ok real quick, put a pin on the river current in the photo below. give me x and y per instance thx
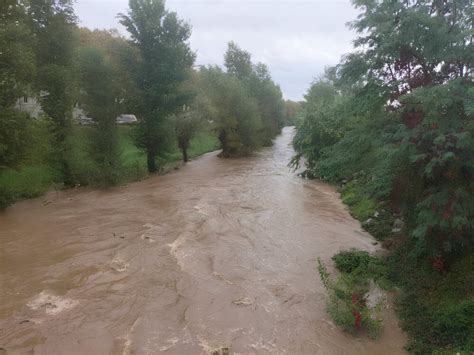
(217, 257)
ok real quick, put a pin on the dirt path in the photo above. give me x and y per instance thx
(220, 254)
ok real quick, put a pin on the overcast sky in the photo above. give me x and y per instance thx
(295, 38)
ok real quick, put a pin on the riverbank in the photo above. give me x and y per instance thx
(435, 307)
(33, 180)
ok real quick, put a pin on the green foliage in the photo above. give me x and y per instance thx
(101, 97)
(362, 266)
(192, 118)
(292, 111)
(52, 23)
(13, 137)
(17, 57)
(258, 83)
(162, 39)
(393, 121)
(348, 261)
(238, 62)
(435, 309)
(245, 104)
(235, 114)
(346, 302)
(203, 142)
(400, 112)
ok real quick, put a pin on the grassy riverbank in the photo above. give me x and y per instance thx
(36, 177)
(436, 308)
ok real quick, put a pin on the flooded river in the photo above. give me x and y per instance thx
(218, 255)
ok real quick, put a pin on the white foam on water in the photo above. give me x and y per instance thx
(171, 343)
(118, 264)
(51, 304)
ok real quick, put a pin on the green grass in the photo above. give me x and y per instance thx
(133, 159)
(34, 180)
(202, 143)
(361, 206)
(24, 183)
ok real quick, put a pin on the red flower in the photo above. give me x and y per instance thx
(438, 263)
(357, 319)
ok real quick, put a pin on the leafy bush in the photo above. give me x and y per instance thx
(15, 136)
(347, 294)
(435, 308)
(361, 266)
(348, 261)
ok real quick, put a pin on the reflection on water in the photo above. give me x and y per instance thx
(219, 255)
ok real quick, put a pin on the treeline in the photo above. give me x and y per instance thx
(394, 124)
(45, 55)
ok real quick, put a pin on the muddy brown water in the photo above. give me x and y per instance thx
(220, 254)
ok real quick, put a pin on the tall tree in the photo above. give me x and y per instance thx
(17, 66)
(419, 55)
(258, 81)
(238, 62)
(162, 39)
(53, 24)
(17, 57)
(121, 55)
(236, 114)
(193, 116)
(270, 102)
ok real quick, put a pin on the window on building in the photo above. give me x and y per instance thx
(25, 99)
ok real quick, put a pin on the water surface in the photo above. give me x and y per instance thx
(220, 254)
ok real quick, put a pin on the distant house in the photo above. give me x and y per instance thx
(32, 106)
(29, 105)
(127, 119)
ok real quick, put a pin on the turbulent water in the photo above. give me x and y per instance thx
(218, 256)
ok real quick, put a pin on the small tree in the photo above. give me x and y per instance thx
(186, 126)
(100, 97)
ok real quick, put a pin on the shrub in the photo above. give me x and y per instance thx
(348, 261)
(347, 303)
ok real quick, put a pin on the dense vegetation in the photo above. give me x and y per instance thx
(45, 55)
(393, 124)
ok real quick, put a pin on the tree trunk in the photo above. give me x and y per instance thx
(185, 155)
(151, 162)
(223, 140)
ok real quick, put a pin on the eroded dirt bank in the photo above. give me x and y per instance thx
(219, 254)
